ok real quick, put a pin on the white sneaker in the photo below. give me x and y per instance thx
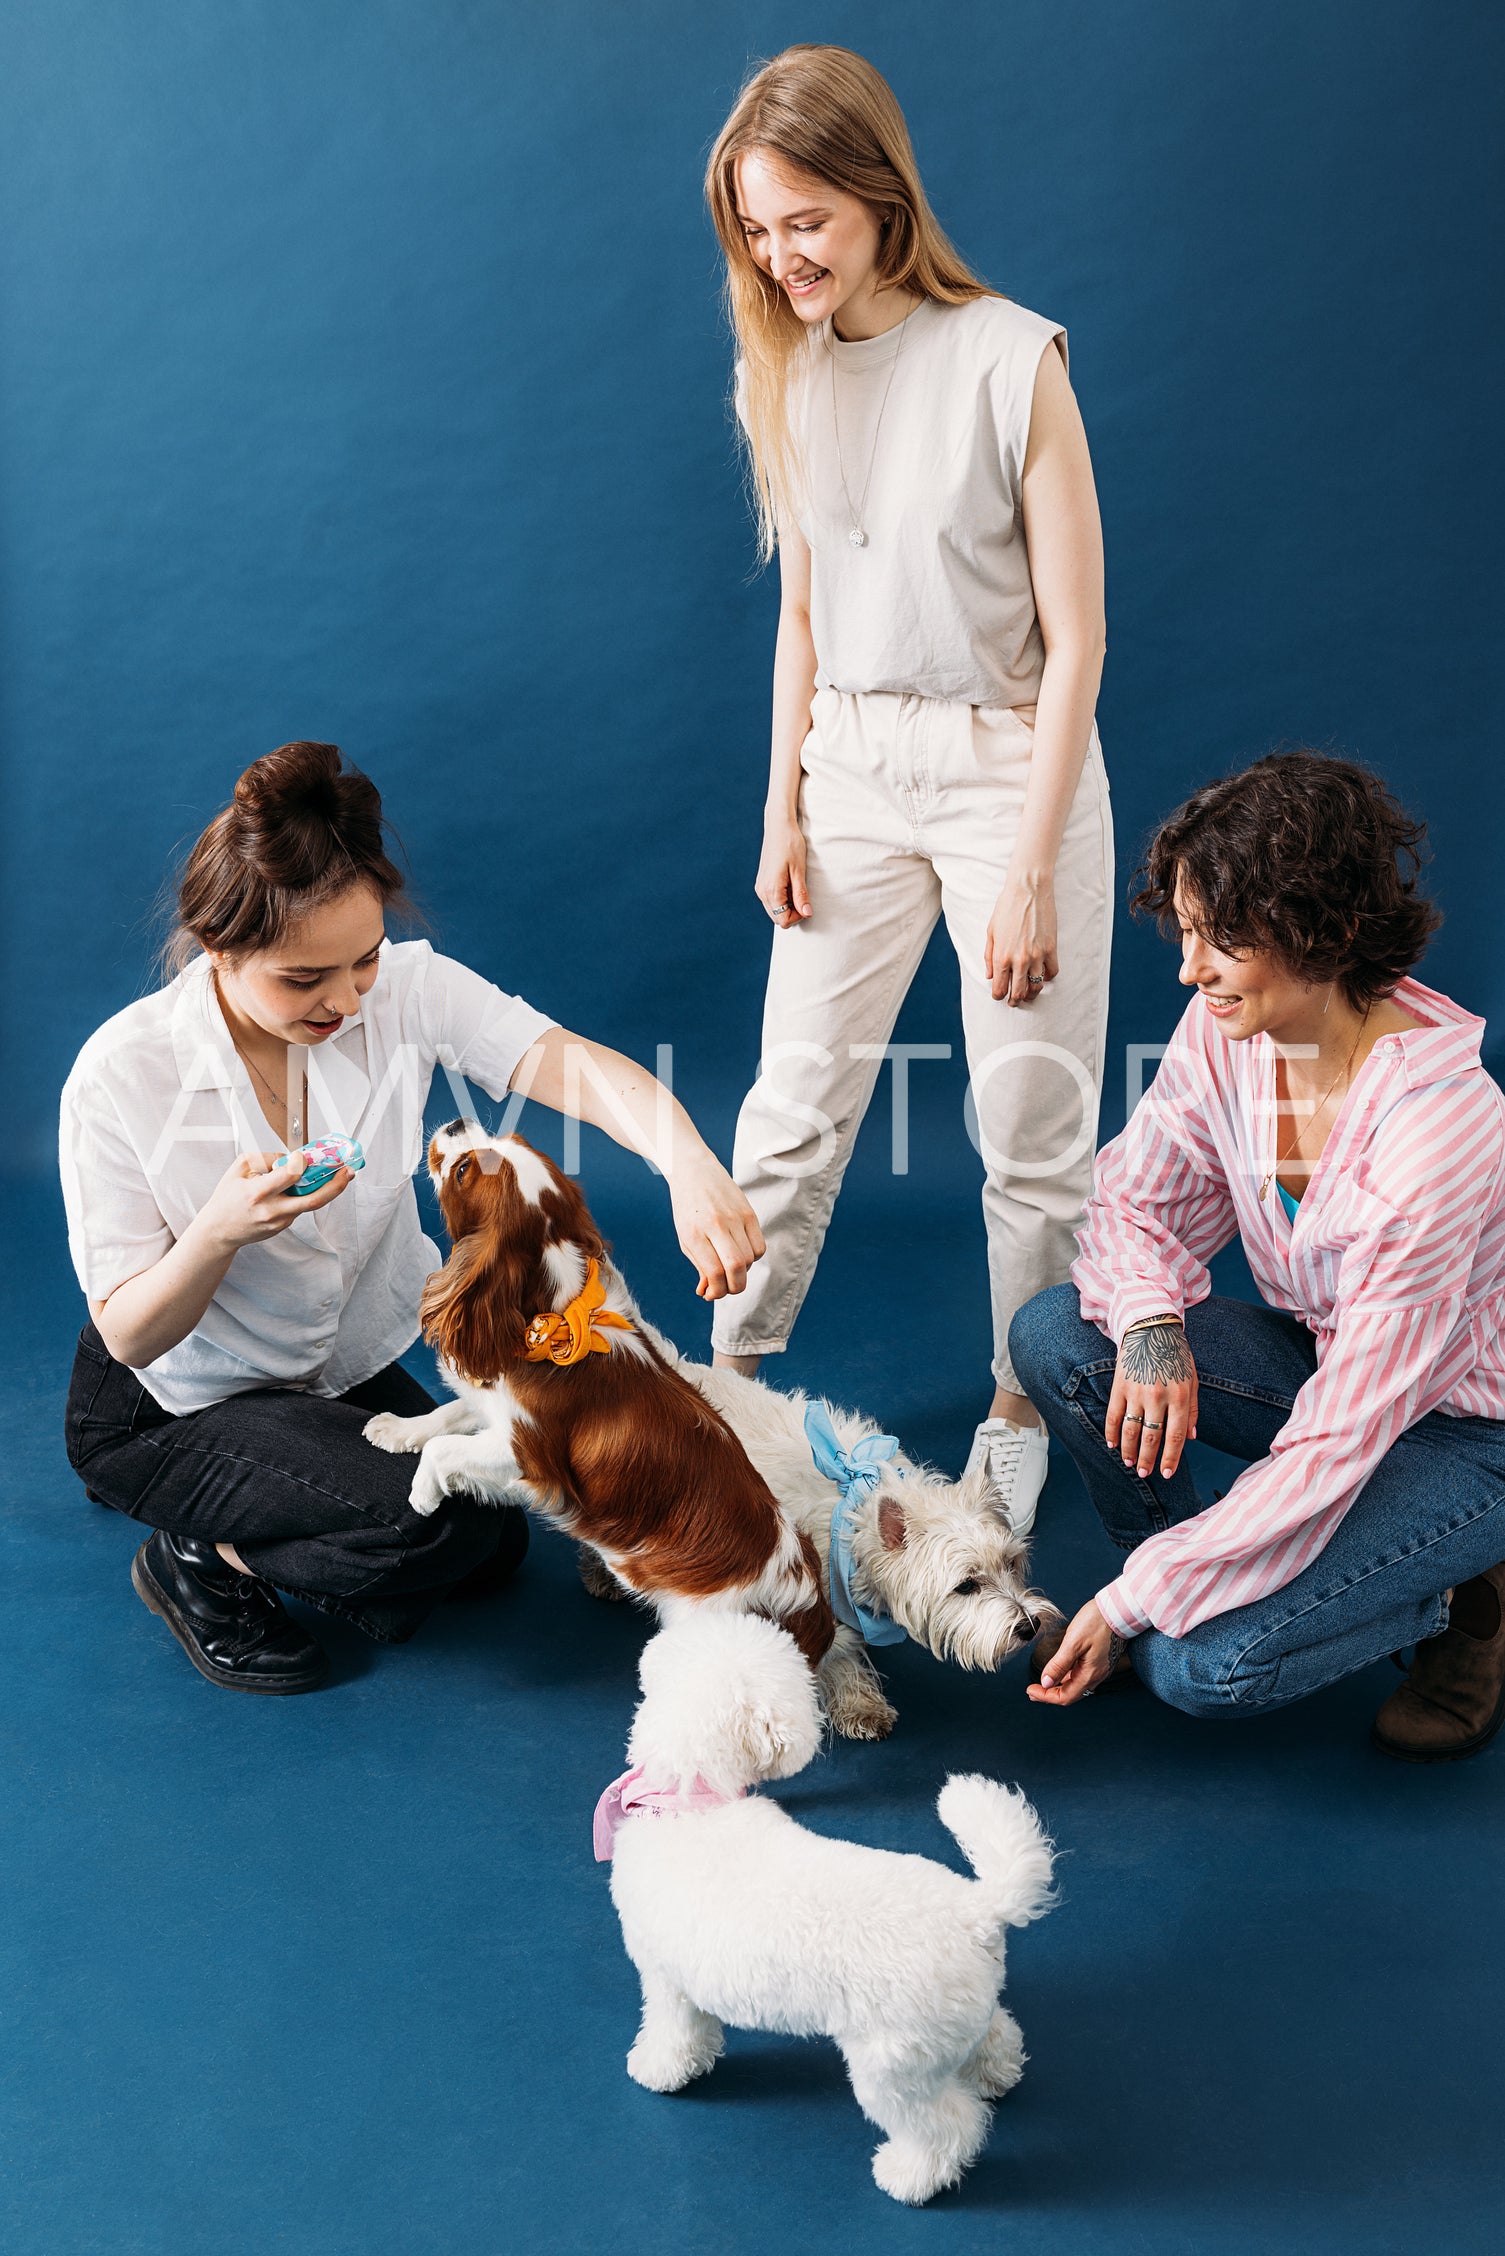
(1016, 1460)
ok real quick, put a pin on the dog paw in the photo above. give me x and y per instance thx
(449, 1467)
(662, 2069)
(387, 1431)
(908, 2173)
(597, 1576)
(863, 1718)
(427, 1493)
(1001, 2057)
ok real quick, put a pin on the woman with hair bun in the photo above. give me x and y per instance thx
(241, 1336)
(1322, 1105)
(919, 463)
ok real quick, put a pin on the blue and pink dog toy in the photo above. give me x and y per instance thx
(326, 1155)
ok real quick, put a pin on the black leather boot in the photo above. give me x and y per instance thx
(233, 1627)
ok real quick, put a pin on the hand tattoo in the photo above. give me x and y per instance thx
(1156, 1355)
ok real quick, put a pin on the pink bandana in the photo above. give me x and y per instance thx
(627, 1796)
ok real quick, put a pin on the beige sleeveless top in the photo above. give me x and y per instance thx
(938, 600)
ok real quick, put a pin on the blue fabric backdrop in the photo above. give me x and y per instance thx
(365, 380)
(362, 378)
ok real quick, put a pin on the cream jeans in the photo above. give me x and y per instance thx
(910, 807)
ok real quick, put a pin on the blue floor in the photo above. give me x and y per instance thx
(337, 1976)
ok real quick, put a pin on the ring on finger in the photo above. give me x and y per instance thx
(1133, 1417)
(1153, 1428)
(1034, 980)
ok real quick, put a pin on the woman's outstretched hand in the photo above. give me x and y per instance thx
(1020, 953)
(1153, 1407)
(780, 882)
(1080, 1662)
(717, 1227)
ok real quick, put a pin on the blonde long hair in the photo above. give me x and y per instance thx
(825, 112)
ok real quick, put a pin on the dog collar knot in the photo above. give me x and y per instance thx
(856, 1472)
(568, 1335)
(627, 1796)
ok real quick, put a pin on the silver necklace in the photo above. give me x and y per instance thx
(857, 536)
(294, 1114)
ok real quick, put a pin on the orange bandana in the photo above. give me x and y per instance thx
(569, 1337)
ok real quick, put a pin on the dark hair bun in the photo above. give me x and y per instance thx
(302, 827)
(300, 812)
(292, 778)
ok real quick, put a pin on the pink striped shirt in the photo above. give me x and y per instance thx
(1396, 1261)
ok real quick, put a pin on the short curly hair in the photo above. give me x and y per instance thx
(1305, 858)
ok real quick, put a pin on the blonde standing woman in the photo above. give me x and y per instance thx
(920, 466)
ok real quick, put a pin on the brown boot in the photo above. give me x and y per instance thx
(1453, 1701)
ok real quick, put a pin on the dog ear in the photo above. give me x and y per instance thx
(891, 1523)
(472, 1310)
(975, 1493)
(762, 1742)
(768, 1739)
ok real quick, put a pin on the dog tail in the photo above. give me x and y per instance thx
(1005, 1844)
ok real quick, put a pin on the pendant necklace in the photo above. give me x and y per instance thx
(857, 536)
(294, 1134)
(1337, 1077)
(294, 1114)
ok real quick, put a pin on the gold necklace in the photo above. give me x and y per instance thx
(1317, 1108)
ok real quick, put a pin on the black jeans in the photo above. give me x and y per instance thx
(289, 1480)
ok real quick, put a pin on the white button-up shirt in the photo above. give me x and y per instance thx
(158, 1105)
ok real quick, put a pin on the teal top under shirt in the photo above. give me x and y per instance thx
(1291, 1205)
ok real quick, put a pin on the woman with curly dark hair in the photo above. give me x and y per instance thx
(1333, 1112)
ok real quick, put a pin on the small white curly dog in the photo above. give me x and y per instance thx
(731, 1911)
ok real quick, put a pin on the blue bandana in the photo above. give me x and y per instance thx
(856, 1472)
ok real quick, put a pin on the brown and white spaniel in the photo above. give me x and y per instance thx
(563, 1392)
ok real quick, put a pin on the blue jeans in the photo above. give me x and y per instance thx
(1430, 1516)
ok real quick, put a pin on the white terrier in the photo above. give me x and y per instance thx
(731, 1911)
(916, 1553)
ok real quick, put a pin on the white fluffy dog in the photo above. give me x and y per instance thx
(932, 1555)
(731, 1911)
